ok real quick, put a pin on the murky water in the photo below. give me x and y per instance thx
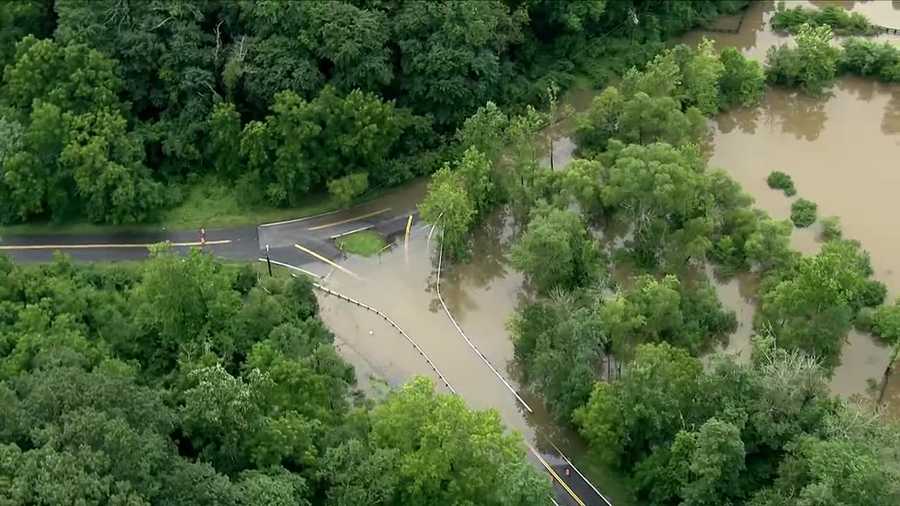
(842, 151)
(755, 38)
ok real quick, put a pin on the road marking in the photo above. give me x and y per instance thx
(293, 267)
(406, 239)
(327, 261)
(298, 220)
(106, 246)
(355, 230)
(583, 477)
(348, 220)
(561, 482)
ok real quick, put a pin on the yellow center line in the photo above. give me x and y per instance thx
(329, 262)
(105, 246)
(348, 220)
(556, 477)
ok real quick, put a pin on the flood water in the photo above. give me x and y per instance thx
(842, 151)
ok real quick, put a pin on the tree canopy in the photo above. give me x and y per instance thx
(188, 381)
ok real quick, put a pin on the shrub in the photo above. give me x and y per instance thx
(838, 19)
(743, 81)
(812, 65)
(780, 181)
(347, 188)
(870, 59)
(831, 228)
(803, 213)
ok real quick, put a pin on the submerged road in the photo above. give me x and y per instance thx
(305, 245)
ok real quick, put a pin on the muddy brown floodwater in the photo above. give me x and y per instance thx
(843, 152)
(482, 294)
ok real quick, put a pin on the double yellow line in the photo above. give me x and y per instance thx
(556, 477)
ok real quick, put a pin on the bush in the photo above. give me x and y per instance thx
(743, 81)
(831, 228)
(778, 180)
(870, 59)
(812, 65)
(838, 19)
(347, 188)
(803, 213)
(886, 322)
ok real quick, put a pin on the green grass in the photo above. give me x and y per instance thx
(210, 204)
(365, 243)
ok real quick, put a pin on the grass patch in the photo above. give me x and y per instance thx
(210, 203)
(365, 243)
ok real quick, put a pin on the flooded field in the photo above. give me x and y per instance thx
(843, 152)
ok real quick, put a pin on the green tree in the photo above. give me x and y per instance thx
(346, 189)
(812, 65)
(449, 206)
(559, 342)
(810, 307)
(447, 454)
(743, 80)
(803, 213)
(224, 146)
(625, 420)
(702, 73)
(556, 250)
(452, 54)
(659, 192)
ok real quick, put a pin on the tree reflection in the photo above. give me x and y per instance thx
(890, 122)
(798, 114)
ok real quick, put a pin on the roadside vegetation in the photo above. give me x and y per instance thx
(365, 243)
(113, 113)
(838, 19)
(183, 380)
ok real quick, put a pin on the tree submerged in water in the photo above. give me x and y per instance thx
(803, 213)
(778, 180)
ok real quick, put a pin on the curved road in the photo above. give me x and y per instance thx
(306, 244)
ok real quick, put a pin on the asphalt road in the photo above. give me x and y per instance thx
(316, 235)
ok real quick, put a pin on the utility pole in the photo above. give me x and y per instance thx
(268, 261)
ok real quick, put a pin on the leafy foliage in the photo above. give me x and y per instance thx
(868, 58)
(346, 189)
(556, 251)
(838, 19)
(812, 65)
(781, 181)
(180, 381)
(809, 306)
(803, 213)
(758, 433)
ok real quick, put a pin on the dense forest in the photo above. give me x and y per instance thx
(185, 381)
(112, 110)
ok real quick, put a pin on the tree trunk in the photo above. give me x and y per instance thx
(884, 382)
